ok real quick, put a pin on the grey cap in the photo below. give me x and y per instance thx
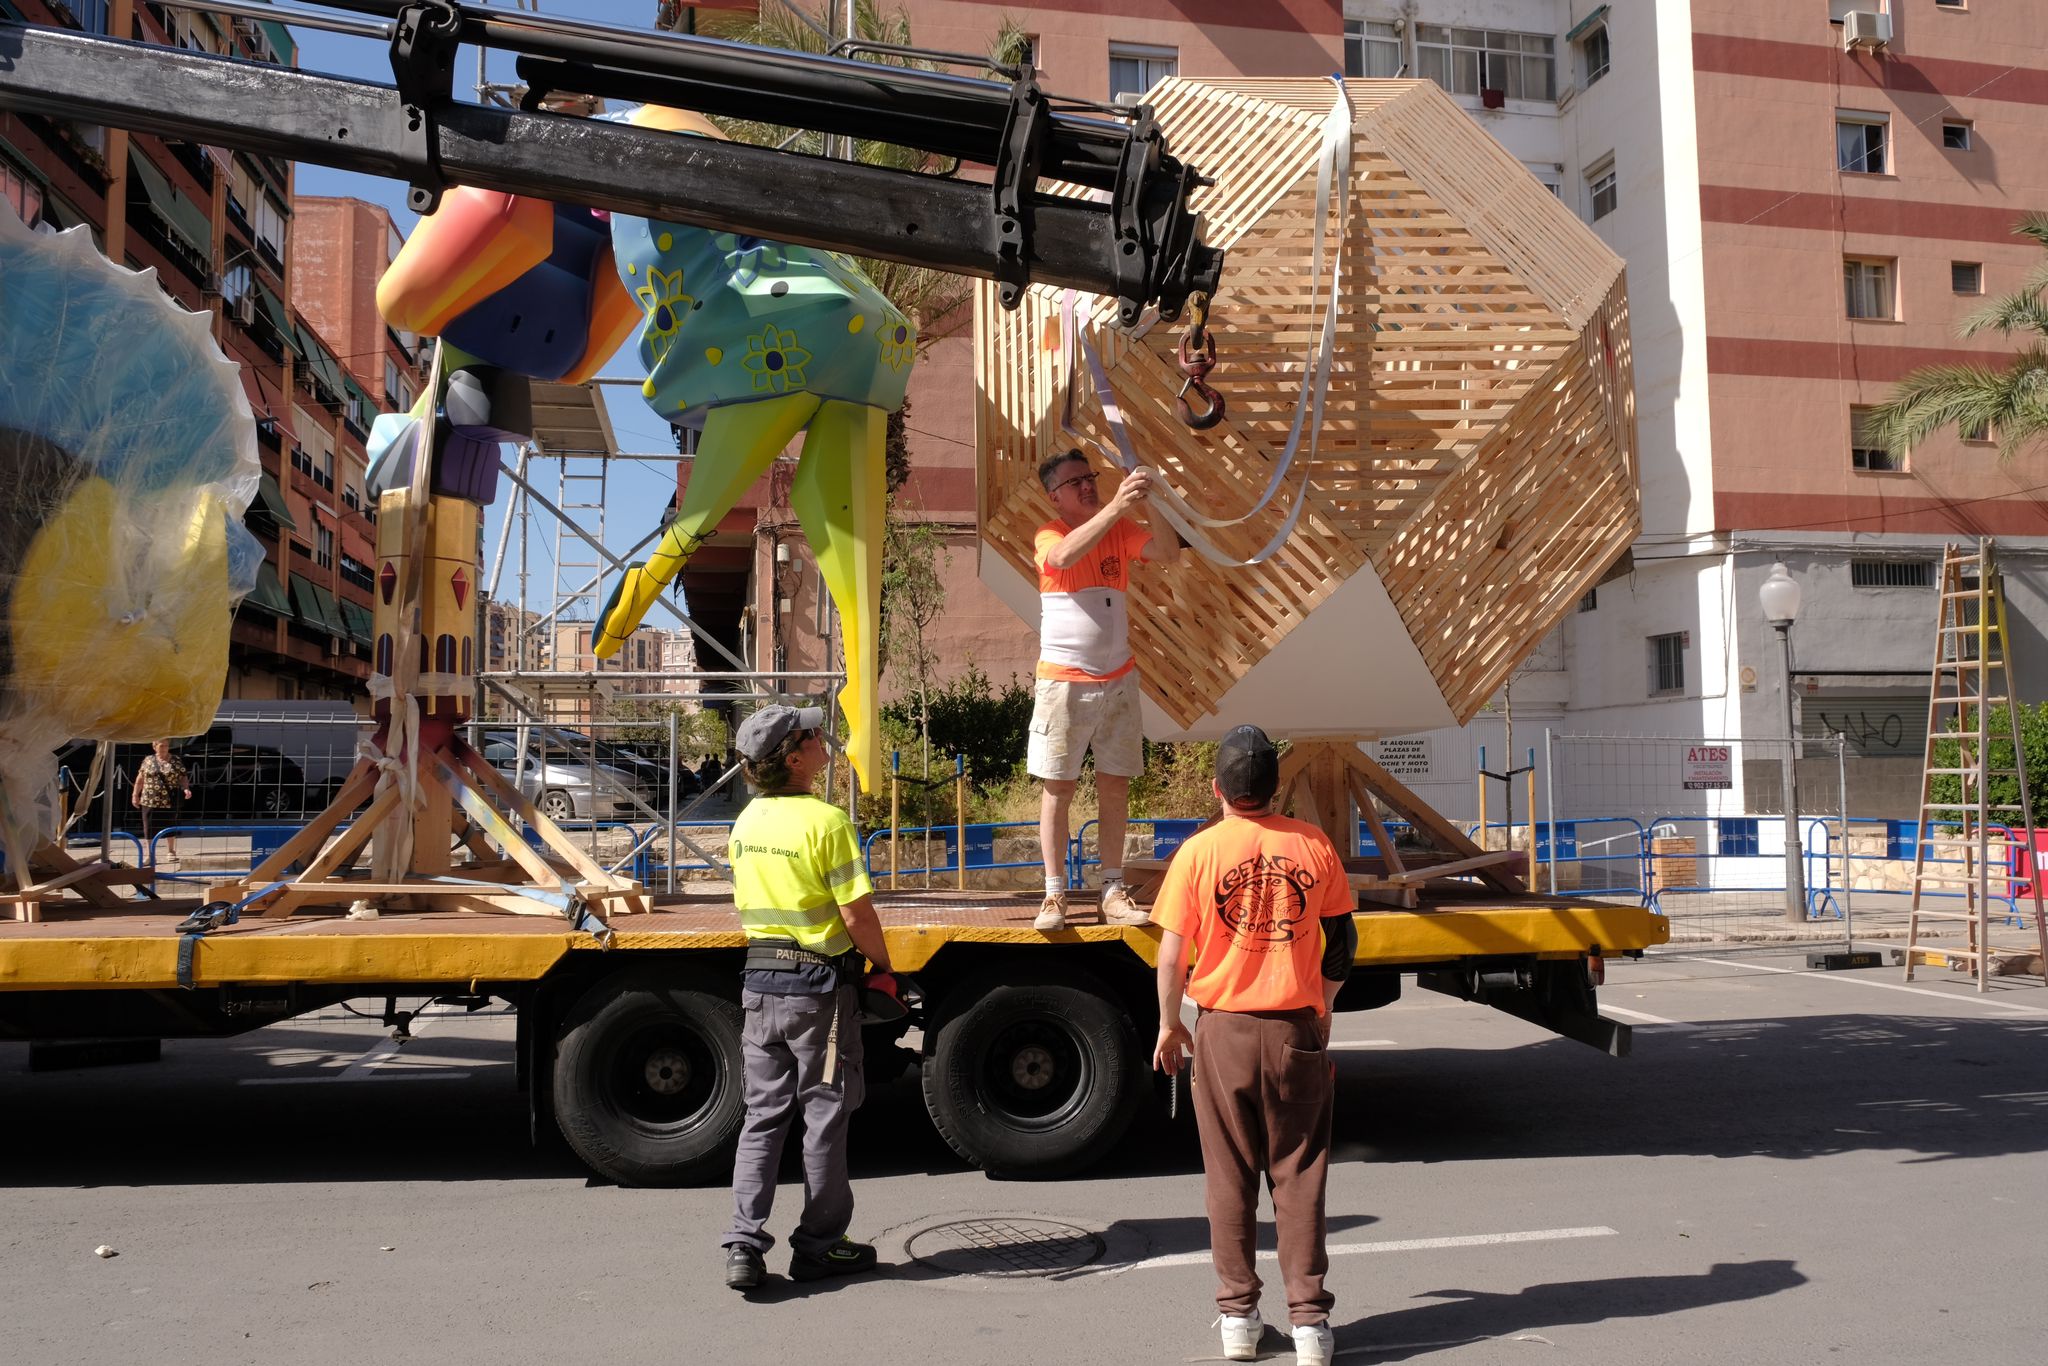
(761, 734)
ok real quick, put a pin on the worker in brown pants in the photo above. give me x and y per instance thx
(1262, 902)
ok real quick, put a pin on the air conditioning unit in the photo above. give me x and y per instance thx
(245, 310)
(1866, 28)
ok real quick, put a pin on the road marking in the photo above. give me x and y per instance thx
(1360, 1043)
(1850, 981)
(1647, 1019)
(1541, 1235)
(379, 1074)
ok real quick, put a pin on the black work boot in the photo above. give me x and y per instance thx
(843, 1258)
(744, 1268)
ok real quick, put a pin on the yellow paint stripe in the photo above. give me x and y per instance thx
(1384, 938)
(62, 964)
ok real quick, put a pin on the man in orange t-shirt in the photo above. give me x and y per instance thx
(1263, 903)
(1086, 696)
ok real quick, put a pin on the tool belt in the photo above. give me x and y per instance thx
(784, 955)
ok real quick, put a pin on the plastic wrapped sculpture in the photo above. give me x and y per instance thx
(127, 457)
(754, 342)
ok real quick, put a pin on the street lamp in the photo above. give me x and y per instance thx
(1780, 598)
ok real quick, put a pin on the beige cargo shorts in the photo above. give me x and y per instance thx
(1069, 719)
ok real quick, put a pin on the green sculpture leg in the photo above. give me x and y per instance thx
(739, 443)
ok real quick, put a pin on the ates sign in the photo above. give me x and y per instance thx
(1708, 766)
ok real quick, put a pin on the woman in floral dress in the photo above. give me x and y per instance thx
(158, 774)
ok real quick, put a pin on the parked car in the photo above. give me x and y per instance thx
(647, 777)
(257, 763)
(563, 787)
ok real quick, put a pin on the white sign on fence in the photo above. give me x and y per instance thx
(1708, 766)
(1408, 758)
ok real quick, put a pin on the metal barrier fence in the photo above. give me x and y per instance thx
(937, 851)
(1715, 837)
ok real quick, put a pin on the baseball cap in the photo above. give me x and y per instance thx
(762, 733)
(1247, 765)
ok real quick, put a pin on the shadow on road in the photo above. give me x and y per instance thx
(1463, 1317)
(1929, 1089)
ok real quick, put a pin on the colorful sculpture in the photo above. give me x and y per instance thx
(755, 342)
(127, 457)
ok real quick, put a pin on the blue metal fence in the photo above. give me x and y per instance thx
(981, 848)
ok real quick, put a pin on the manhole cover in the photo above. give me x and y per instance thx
(1006, 1248)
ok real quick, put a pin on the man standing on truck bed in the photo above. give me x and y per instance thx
(1265, 904)
(1087, 690)
(804, 899)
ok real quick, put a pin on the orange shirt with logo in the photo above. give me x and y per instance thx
(1249, 895)
(1084, 629)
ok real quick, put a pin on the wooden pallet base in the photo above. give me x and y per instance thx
(502, 874)
(53, 874)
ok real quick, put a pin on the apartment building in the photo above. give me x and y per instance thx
(1807, 210)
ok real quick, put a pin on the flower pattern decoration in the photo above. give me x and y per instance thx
(748, 258)
(666, 305)
(776, 360)
(899, 344)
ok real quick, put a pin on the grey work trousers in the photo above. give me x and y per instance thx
(786, 1058)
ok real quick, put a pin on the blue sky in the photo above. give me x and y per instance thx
(637, 490)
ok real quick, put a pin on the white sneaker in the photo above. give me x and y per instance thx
(1052, 915)
(1241, 1336)
(1314, 1344)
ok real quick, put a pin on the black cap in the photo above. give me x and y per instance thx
(1247, 767)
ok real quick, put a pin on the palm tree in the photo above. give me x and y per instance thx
(2009, 403)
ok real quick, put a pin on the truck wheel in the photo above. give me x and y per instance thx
(1035, 1078)
(648, 1080)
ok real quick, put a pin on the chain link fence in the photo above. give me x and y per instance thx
(1699, 829)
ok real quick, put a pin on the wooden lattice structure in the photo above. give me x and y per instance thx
(1477, 467)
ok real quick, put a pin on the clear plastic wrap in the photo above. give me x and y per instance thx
(127, 458)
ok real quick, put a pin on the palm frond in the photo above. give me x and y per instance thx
(2034, 224)
(1967, 397)
(2023, 311)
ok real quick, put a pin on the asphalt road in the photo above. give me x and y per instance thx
(1792, 1168)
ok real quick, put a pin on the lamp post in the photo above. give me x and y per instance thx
(1780, 598)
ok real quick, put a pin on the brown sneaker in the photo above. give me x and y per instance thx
(1119, 909)
(1053, 914)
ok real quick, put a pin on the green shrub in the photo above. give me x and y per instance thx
(2004, 790)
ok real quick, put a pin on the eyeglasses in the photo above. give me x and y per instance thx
(1088, 478)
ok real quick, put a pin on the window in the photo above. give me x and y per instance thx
(235, 282)
(1948, 4)
(22, 194)
(1591, 601)
(1667, 665)
(1593, 55)
(1133, 70)
(1866, 452)
(1860, 142)
(1955, 135)
(1372, 49)
(1974, 431)
(1867, 288)
(269, 226)
(391, 382)
(1891, 573)
(1601, 193)
(90, 14)
(1966, 277)
(323, 555)
(1469, 61)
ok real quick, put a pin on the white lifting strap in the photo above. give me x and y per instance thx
(1333, 175)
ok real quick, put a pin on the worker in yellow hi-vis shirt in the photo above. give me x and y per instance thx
(808, 909)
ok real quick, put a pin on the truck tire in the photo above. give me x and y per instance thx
(1035, 1078)
(649, 1080)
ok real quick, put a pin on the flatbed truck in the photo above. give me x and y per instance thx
(1032, 1047)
